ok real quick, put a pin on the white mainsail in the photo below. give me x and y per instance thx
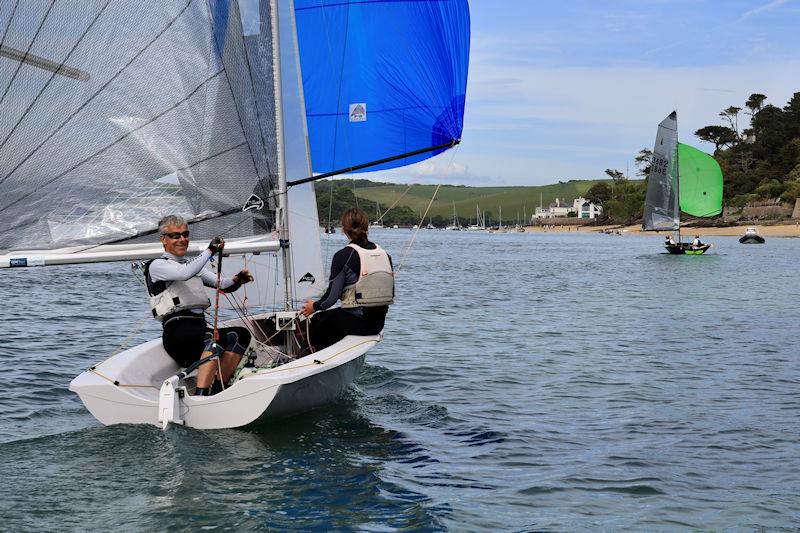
(180, 114)
(113, 114)
(661, 208)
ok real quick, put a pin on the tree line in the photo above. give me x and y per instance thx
(334, 197)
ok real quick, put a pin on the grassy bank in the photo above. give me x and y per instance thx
(513, 200)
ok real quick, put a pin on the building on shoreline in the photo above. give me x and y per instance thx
(582, 207)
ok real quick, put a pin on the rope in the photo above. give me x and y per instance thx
(380, 219)
(419, 226)
(315, 362)
(218, 291)
(117, 383)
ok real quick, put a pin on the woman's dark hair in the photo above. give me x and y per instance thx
(355, 225)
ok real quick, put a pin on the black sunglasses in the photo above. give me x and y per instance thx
(175, 235)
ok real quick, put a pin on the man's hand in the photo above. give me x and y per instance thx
(243, 277)
(308, 308)
(216, 245)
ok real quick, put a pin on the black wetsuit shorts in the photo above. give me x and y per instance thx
(185, 337)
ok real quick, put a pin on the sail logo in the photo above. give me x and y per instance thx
(254, 202)
(358, 112)
(307, 277)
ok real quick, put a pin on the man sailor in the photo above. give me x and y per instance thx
(178, 300)
(362, 278)
(696, 244)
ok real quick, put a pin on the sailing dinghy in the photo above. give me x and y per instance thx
(681, 178)
(113, 114)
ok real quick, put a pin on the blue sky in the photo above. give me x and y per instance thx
(565, 89)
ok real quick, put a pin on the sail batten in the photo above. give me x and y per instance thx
(61, 69)
(177, 115)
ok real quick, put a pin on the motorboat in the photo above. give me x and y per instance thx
(751, 236)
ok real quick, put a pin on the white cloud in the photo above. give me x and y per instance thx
(601, 111)
(763, 9)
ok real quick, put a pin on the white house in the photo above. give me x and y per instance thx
(555, 209)
(586, 209)
(581, 206)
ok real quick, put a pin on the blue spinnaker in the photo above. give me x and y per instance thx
(382, 78)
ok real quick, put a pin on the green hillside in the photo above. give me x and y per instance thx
(513, 200)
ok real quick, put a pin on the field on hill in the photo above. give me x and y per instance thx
(513, 200)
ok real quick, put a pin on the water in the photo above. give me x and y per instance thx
(557, 382)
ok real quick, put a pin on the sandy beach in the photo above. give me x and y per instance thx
(767, 230)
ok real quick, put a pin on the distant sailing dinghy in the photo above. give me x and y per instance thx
(114, 114)
(681, 178)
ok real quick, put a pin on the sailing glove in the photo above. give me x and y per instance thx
(243, 277)
(216, 245)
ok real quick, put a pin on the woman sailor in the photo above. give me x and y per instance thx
(362, 277)
(178, 299)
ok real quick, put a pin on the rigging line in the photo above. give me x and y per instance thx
(53, 75)
(10, 20)
(99, 90)
(255, 99)
(395, 202)
(22, 61)
(99, 152)
(330, 226)
(419, 226)
(249, 325)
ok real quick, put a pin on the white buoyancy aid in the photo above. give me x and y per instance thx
(169, 297)
(375, 285)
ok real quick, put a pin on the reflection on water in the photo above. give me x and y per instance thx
(527, 382)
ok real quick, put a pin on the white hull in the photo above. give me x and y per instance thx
(257, 395)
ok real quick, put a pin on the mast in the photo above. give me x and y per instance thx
(677, 181)
(283, 207)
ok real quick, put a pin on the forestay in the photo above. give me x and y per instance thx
(661, 209)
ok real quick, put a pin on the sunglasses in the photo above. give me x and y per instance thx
(175, 235)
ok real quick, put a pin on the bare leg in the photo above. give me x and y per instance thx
(206, 372)
(229, 362)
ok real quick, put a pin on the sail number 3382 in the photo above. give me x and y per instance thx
(660, 166)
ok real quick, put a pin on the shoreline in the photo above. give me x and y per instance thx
(769, 230)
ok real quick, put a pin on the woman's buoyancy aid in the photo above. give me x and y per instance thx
(169, 297)
(375, 285)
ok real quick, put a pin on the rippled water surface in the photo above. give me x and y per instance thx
(556, 382)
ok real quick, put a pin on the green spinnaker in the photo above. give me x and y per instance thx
(700, 182)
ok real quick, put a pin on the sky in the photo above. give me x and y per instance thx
(561, 90)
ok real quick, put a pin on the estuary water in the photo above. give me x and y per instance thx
(527, 382)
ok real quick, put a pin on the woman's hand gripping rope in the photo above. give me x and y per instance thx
(308, 308)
